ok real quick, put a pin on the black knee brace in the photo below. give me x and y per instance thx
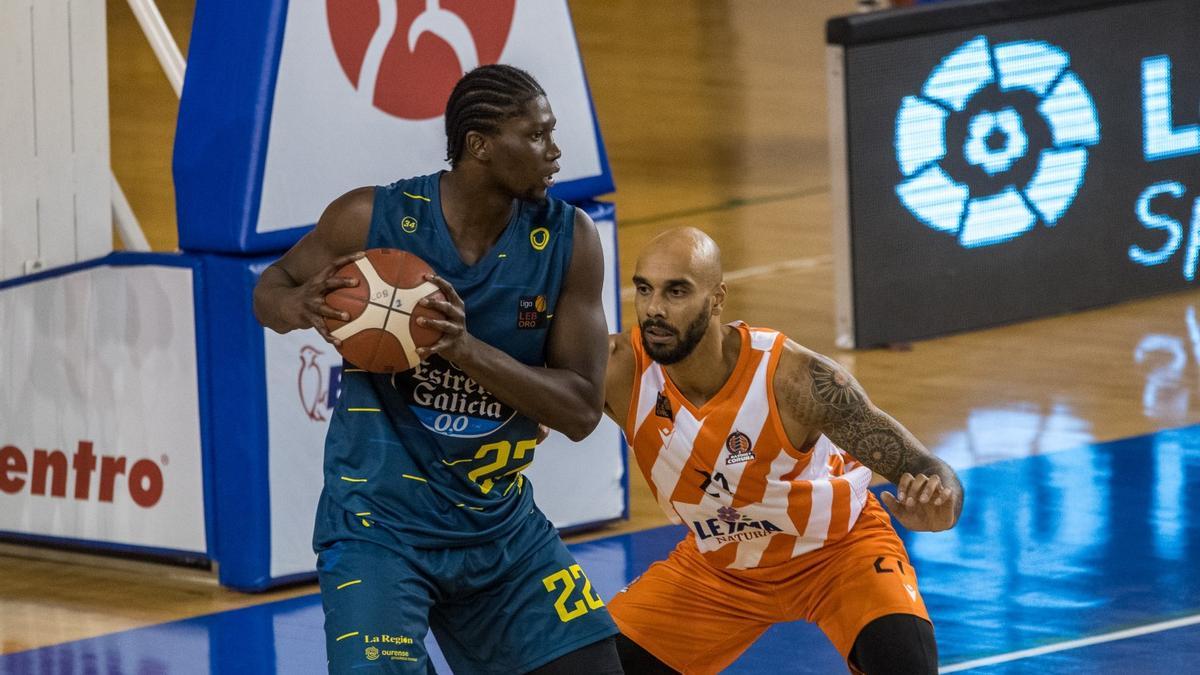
(635, 659)
(598, 658)
(899, 644)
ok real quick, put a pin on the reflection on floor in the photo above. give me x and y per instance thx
(1083, 543)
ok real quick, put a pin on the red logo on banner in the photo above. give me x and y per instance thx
(311, 383)
(411, 68)
(49, 473)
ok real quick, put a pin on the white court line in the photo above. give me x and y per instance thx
(1073, 644)
(760, 271)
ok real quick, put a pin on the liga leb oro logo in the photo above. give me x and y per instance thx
(531, 311)
(406, 55)
(738, 445)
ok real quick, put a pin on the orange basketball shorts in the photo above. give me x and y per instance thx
(699, 619)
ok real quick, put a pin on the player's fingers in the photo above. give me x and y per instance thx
(889, 500)
(443, 285)
(432, 349)
(341, 261)
(903, 485)
(334, 283)
(442, 306)
(323, 331)
(446, 288)
(943, 496)
(446, 327)
(316, 311)
(452, 294)
(329, 312)
(931, 488)
(914, 489)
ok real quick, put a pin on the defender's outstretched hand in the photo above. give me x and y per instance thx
(922, 503)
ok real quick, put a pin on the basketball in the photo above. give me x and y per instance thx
(382, 335)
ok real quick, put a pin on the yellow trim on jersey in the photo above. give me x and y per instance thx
(409, 194)
(457, 461)
(519, 468)
(354, 370)
(515, 480)
(349, 583)
(470, 508)
(409, 476)
(354, 480)
(362, 409)
(347, 635)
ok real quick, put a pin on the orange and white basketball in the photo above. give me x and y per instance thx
(382, 335)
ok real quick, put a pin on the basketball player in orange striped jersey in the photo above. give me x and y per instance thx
(765, 450)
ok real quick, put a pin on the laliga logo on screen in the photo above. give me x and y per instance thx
(1162, 139)
(405, 56)
(996, 140)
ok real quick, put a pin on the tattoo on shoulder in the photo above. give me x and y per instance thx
(831, 388)
(849, 421)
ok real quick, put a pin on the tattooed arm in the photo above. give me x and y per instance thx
(818, 396)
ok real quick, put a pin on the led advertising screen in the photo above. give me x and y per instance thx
(997, 166)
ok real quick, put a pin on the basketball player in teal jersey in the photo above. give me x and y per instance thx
(425, 520)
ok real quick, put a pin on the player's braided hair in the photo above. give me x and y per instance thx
(482, 99)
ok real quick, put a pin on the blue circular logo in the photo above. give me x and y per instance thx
(995, 140)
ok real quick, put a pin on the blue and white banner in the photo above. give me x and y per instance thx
(288, 105)
(100, 407)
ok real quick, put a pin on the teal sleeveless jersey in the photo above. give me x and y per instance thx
(428, 455)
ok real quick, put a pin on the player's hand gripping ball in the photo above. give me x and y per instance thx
(382, 335)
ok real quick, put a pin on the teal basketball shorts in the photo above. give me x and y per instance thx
(505, 606)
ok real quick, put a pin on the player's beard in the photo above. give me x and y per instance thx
(685, 344)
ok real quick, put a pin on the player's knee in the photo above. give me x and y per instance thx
(900, 644)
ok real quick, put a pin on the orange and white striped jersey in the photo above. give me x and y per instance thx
(728, 470)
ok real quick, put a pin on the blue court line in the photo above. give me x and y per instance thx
(1050, 549)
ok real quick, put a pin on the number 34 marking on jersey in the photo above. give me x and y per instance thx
(568, 576)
